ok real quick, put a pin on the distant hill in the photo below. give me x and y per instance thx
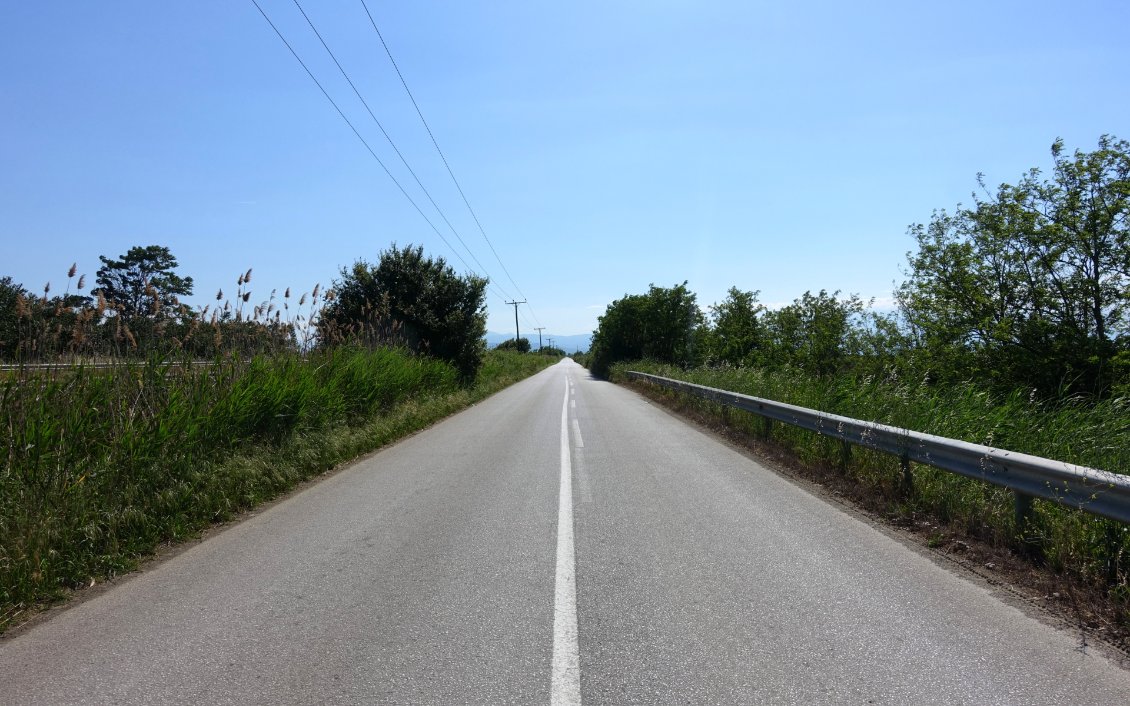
(569, 344)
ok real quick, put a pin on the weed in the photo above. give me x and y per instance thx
(105, 463)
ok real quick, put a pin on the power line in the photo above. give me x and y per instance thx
(528, 323)
(390, 140)
(491, 286)
(358, 134)
(427, 127)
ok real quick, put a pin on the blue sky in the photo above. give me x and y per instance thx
(604, 146)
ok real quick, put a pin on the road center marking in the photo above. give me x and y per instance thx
(582, 476)
(565, 689)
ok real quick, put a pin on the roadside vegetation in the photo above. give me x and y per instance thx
(1091, 549)
(1011, 329)
(153, 421)
(522, 345)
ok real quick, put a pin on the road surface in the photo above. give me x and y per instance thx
(562, 542)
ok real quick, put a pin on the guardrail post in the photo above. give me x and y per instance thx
(1023, 515)
(766, 428)
(1023, 511)
(1113, 551)
(906, 482)
(845, 455)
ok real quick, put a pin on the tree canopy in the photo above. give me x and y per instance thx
(410, 299)
(661, 325)
(142, 282)
(737, 336)
(13, 301)
(815, 333)
(1029, 285)
(521, 345)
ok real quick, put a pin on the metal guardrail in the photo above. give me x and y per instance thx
(1088, 489)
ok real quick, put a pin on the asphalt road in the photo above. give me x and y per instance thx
(563, 541)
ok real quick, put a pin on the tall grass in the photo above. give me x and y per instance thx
(1085, 433)
(103, 464)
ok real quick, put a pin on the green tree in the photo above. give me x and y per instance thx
(737, 335)
(814, 333)
(522, 345)
(13, 308)
(1030, 285)
(879, 345)
(664, 325)
(142, 283)
(410, 299)
(36, 327)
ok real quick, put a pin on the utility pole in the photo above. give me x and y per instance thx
(551, 342)
(539, 330)
(516, 319)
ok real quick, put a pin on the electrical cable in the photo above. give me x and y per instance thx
(420, 113)
(388, 137)
(358, 134)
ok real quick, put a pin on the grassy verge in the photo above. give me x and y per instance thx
(1090, 551)
(103, 465)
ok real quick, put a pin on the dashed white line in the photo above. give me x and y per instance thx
(583, 484)
(577, 435)
(565, 688)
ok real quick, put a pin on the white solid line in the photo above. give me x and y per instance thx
(565, 688)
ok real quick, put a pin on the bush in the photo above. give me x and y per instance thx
(662, 325)
(522, 345)
(411, 300)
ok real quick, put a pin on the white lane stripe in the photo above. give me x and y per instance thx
(582, 476)
(565, 689)
(577, 435)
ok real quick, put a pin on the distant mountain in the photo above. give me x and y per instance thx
(569, 344)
